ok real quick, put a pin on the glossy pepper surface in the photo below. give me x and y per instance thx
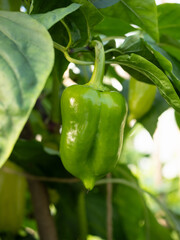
(140, 99)
(93, 122)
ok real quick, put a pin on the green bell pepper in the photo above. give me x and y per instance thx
(93, 120)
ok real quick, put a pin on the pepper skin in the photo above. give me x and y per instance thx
(140, 99)
(92, 131)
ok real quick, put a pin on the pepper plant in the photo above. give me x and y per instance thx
(61, 135)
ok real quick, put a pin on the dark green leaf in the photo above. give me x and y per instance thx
(78, 29)
(10, 5)
(26, 60)
(148, 69)
(36, 160)
(133, 214)
(113, 27)
(169, 19)
(140, 13)
(149, 121)
(103, 3)
(170, 45)
(148, 49)
(91, 13)
(41, 6)
(67, 213)
(135, 44)
(136, 221)
(170, 65)
(50, 18)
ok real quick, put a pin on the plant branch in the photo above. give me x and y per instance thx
(68, 57)
(40, 178)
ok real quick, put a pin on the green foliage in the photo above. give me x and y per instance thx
(36, 48)
(168, 20)
(24, 66)
(140, 13)
(52, 17)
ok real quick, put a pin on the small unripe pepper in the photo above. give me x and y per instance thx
(93, 122)
(140, 98)
(12, 200)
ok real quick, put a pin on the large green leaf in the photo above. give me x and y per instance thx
(141, 13)
(50, 18)
(78, 28)
(113, 27)
(26, 60)
(170, 45)
(169, 19)
(91, 13)
(135, 44)
(29, 155)
(10, 5)
(77, 24)
(152, 72)
(132, 219)
(169, 64)
(137, 219)
(148, 49)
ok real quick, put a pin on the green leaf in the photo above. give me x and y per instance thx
(170, 65)
(136, 218)
(113, 27)
(169, 19)
(148, 69)
(10, 5)
(76, 24)
(149, 121)
(92, 14)
(103, 3)
(78, 28)
(171, 46)
(29, 155)
(50, 18)
(177, 117)
(148, 49)
(135, 44)
(26, 60)
(140, 13)
(41, 6)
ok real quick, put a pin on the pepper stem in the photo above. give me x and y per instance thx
(96, 80)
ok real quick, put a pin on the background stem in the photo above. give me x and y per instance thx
(55, 98)
(83, 226)
(40, 200)
(109, 222)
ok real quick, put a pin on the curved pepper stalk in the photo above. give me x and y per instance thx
(93, 122)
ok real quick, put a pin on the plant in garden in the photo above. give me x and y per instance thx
(36, 47)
